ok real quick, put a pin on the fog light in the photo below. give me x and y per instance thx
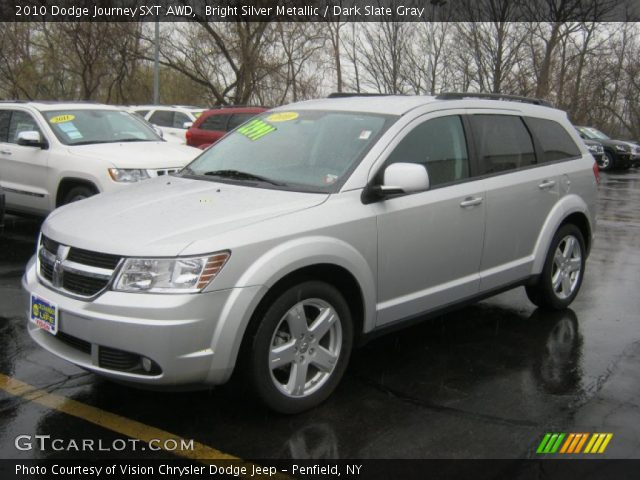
(146, 364)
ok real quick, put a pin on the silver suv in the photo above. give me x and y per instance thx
(308, 229)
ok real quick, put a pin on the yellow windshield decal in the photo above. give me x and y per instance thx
(282, 117)
(62, 118)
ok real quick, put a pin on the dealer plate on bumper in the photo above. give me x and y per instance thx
(44, 314)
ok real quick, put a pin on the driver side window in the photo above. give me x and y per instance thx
(21, 122)
(438, 144)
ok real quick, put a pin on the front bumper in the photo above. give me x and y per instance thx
(623, 160)
(193, 339)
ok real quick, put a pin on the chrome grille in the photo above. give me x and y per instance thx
(73, 270)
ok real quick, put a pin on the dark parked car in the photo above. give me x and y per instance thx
(596, 149)
(213, 124)
(617, 154)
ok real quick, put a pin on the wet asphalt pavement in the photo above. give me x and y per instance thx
(487, 381)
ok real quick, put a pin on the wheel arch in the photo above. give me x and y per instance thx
(318, 258)
(67, 183)
(571, 209)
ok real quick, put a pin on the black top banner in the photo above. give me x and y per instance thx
(319, 10)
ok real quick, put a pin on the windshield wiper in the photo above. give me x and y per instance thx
(88, 142)
(133, 140)
(238, 175)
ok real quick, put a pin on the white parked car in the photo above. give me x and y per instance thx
(173, 120)
(56, 153)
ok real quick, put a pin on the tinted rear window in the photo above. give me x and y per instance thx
(162, 118)
(214, 122)
(554, 139)
(238, 119)
(503, 143)
(5, 116)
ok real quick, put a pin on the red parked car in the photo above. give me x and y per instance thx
(212, 124)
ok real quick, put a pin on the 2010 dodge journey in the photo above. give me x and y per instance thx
(309, 228)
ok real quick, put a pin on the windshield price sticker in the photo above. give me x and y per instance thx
(256, 129)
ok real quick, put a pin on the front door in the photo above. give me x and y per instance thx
(430, 243)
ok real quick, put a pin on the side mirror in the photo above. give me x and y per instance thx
(31, 138)
(187, 125)
(405, 178)
(399, 178)
(158, 130)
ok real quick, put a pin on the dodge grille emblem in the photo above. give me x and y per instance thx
(58, 271)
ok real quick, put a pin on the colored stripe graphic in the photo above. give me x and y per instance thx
(551, 443)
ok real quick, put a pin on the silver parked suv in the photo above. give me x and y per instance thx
(308, 229)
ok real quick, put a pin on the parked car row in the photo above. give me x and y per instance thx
(614, 153)
(195, 126)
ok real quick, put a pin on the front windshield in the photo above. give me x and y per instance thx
(592, 133)
(297, 150)
(84, 127)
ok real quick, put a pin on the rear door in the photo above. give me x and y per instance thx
(24, 171)
(520, 193)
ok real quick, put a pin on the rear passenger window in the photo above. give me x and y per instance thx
(214, 122)
(238, 119)
(440, 146)
(554, 139)
(162, 118)
(503, 143)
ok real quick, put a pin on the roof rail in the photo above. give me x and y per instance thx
(14, 101)
(215, 107)
(356, 94)
(493, 96)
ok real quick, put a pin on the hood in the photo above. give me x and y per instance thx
(162, 216)
(139, 154)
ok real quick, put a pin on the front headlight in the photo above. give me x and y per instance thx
(169, 275)
(593, 148)
(622, 148)
(128, 175)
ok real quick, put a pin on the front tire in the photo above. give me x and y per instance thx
(563, 270)
(301, 347)
(78, 193)
(608, 161)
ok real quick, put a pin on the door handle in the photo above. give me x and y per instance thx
(471, 202)
(5, 152)
(546, 184)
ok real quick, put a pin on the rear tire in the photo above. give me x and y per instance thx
(301, 347)
(563, 270)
